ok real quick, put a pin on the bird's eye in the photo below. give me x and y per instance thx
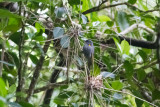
(89, 44)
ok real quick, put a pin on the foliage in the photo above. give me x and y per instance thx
(40, 34)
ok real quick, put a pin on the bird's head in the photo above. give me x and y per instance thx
(89, 42)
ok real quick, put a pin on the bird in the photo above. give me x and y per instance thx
(88, 51)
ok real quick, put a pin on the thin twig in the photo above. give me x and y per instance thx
(147, 66)
(2, 57)
(130, 95)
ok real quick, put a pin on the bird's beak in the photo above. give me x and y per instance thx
(89, 45)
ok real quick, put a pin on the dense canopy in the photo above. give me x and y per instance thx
(42, 63)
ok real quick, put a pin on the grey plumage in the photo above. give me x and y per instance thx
(88, 50)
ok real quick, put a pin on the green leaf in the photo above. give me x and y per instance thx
(151, 84)
(132, 1)
(156, 95)
(125, 47)
(106, 60)
(58, 32)
(103, 18)
(143, 55)
(110, 23)
(118, 45)
(3, 91)
(15, 0)
(25, 104)
(65, 41)
(117, 85)
(85, 5)
(33, 58)
(7, 14)
(12, 89)
(15, 58)
(97, 70)
(15, 37)
(74, 2)
(14, 24)
(62, 97)
(122, 20)
(128, 68)
(39, 38)
(141, 74)
(39, 27)
(3, 102)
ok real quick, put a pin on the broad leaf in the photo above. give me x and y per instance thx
(128, 68)
(103, 18)
(3, 91)
(60, 12)
(65, 41)
(125, 47)
(58, 32)
(117, 85)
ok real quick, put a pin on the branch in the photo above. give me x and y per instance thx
(20, 49)
(124, 92)
(38, 68)
(134, 26)
(65, 69)
(147, 66)
(131, 41)
(50, 86)
(53, 80)
(54, 85)
(2, 57)
(96, 8)
(99, 8)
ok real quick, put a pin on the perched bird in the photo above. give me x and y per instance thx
(88, 50)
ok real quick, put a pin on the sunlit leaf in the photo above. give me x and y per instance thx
(125, 47)
(12, 89)
(103, 18)
(118, 45)
(96, 70)
(117, 85)
(3, 91)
